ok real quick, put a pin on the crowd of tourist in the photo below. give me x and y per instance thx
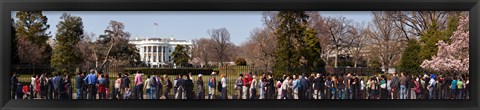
(247, 86)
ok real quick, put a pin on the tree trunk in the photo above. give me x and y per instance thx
(336, 57)
(106, 56)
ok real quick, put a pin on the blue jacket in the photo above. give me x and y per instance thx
(56, 81)
(211, 83)
(91, 79)
(79, 82)
(303, 84)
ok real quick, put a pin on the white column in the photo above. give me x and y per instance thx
(162, 53)
(141, 53)
(157, 54)
(151, 54)
(144, 53)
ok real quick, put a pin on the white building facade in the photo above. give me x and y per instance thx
(156, 52)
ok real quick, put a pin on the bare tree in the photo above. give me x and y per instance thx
(220, 44)
(357, 42)
(201, 50)
(386, 40)
(29, 52)
(317, 22)
(259, 49)
(413, 23)
(114, 36)
(337, 29)
(85, 47)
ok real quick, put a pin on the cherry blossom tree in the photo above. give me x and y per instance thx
(453, 57)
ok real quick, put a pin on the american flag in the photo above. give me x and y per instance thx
(155, 24)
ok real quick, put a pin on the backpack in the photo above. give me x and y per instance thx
(169, 84)
(153, 82)
(211, 82)
(219, 86)
(298, 84)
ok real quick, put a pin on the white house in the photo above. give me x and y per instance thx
(157, 51)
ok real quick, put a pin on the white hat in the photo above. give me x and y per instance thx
(199, 75)
(213, 73)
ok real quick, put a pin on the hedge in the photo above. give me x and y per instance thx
(170, 71)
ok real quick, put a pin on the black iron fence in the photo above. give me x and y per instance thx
(232, 73)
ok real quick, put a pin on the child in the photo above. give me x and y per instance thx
(128, 94)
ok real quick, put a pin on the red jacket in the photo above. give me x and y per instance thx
(247, 81)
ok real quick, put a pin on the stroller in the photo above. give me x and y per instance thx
(128, 94)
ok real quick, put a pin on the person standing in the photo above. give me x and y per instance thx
(189, 87)
(386, 92)
(403, 86)
(167, 84)
(453, 86)
(278, 88)
(200, 87)
(284, 88)
(348, 86)
(56, 86)
(153, 87)
(459, 88)
(117, 87)
(253, 87)
(107, 86)
(175, 87)
(238, 87)
(180, 94)
(138, 85)
(79, 85)
(91, 80)
(49, 87)
(316, 87)
(395, 86)
(125, 85)
(341, 87)
(270, 84)
(310, 86)
(290, 88)
(410, 86)
(224, 86)
(303, 87)
(14, 87)
(295, 84)
(353, 86)
(334, 88)
(322, 86)
(102, 87)
(329, 86)
(447, 88)
(431, 86)
(211, 86)
(417, 88)
(37, 86)
(147, 87)
(68, 86)
(32, 86)
(247, 81)
(159, 86)
(374, 89)
(362, 89)
(262, 86)
(43, 86)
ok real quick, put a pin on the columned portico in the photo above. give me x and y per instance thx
(154, 51)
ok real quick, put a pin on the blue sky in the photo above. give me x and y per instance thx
(183, 25)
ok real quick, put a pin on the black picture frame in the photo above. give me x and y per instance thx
(237, 5)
